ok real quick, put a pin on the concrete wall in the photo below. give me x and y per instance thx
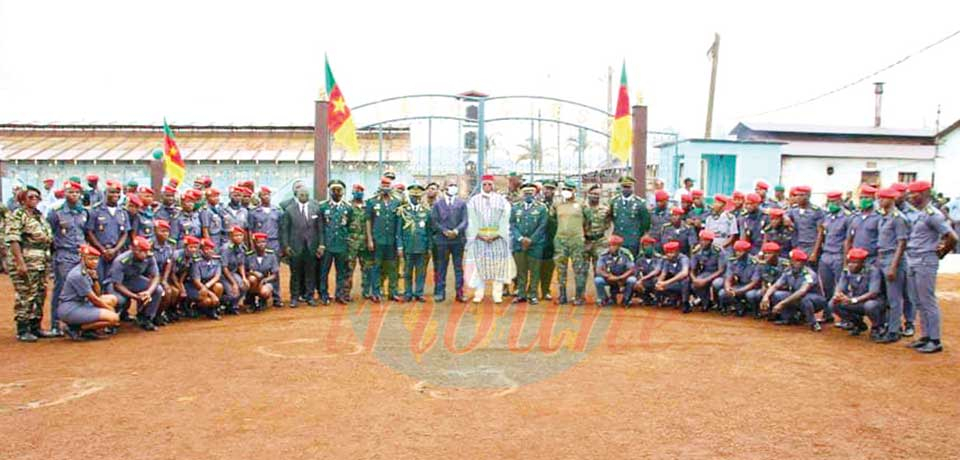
(754, 161)
(948, 164)
(812, 171)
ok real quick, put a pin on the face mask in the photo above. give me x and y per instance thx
(866, 203)
(385, 191)
(528, 198)
(833, 208)
(358, 196)
(626, 192)
(566, 194)
(648, 252)
(594, 199)
(452, 190)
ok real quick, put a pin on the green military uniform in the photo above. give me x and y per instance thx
(546, 268)
(413, 238)
(335, 217)
(569, 244)
(598, 222)
(528, 221)
(357, 253)
(32, 231)
(382, 217)
(431, 254)
(630, 218)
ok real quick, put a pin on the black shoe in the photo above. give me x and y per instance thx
(213, 314)
(146, 324)
(396, 298)
(909, 330)
(325, 300)
(110, 330)
(294, 303)
(930, 347)
(857, 329)
(90, 335)
(234, 311)
(686, 309)
(438, 298)
(562, 299)
(889, 337)
(420, 298)
(519, 299)
(74, 333)
(919, 342)
(578, 301)
(407, 298)
(311, 302)
(781, 322)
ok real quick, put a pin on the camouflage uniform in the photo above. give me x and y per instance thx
(598, 222)
(357, 250)
(33, 233)
(569, 245)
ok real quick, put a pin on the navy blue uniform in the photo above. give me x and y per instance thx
(67, 225)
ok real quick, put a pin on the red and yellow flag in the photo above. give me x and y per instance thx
(173, 164)
(339, 121)
(621, 132)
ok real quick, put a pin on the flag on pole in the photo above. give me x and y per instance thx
(339, 121)
(173, 165)
(621, 132)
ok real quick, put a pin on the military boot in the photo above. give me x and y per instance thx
(24, 334)
(562, 298)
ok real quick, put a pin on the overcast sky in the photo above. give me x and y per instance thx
(262, 62)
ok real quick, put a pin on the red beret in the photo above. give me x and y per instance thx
(70, 185)
(677, 211)
(899, 186)
(265, 190)
(672, 246)
(763, 185)
(48, 180)
(246, 183)
(113, 185)
(142, 243)
(661, 195)
(798, 255)
(616, 239)
(754, 198)
(647, 240)
(58, 193)
(857, 254)
(87, 250)
(207, 243)
(145, 189)
(742, 245)
(213, 192)
(237, 229)
(399, 186)
(134, 199)
(357, 188)
(868, 190)
(696, 193)
(686, 198)
(487, 178)
(888, 193)
(245, 191)
(707, 235)
(793, 191)
(721, 198)
(92, 178)
(834, 195)
(259, 236)
(169, 189)
(190, 239)
(919, 186)
(776, 212)
(803, 189)
(191, 195)
(160, 223)
(737, 195)
(770, 247)
(206, 180)
(173, 181)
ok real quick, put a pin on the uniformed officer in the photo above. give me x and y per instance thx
(780, 198)
(82, 306)
(737, 199)
(67, 222)
(187, 221)
(413, 242)
(514, 182)
(697, 211)
(630, 217)
(778, 230)
(795, 290)
(163, 252)
(205, 288)
(659, 214)
(265, 218)
(546, 263)
(858, 293)
(29, 236)
(647, 270)
(678, 230)
(674, 280)
(335, 218)
(168, 204)
(358, 254)
(865, 225)
(569, 242)
(751, 222)
(528, 224)
(807, 221)
(181, 276)
(740, 277)
(135, 278)
(142, 220)
(891, 246)
(721, 223)
(836, 227)
(233, 258)
(761, 190)
(211, 220)
(707, 267)
(107, 227)
(597, 215)
(931, 238)
(912, 214)
(262, 268)
(770, 267)
(382, 222)
(615, 272)
(235, 214)
(93, 196)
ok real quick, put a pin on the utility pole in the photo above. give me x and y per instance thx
(609, 102)
(714, 53)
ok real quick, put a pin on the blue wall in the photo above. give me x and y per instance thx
(754, 161)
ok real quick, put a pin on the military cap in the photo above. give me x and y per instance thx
(569, 184)
(337, 183)
(415, 190)
(627, 180)
(549, 183)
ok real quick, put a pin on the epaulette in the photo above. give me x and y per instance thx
(929, 210)
(323, 202)
(126, 259)
(666, 224)
(847, 212)
(696, 249)
(250, 253)
(814, 207)
(269, 251)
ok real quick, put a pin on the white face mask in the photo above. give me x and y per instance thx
(452, 190)
(566, 194)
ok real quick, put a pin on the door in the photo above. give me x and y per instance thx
(720, 173)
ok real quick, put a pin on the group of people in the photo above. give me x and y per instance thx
(117, 254)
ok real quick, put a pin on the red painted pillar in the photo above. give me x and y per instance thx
(156, 176)
(638, 154)
(321, 150)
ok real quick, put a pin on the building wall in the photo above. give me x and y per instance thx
(948, 163)
(846, 175)
(754, 161)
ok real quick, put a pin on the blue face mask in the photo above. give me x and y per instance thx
(627, 192)
(528, 198)
(358, 196)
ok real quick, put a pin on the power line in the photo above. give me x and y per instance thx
(859, 80)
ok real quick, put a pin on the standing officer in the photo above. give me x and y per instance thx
(931, 238)
(335, 218)
(300, 234)
(29, 236)
(93, 196)
(677, 230)
(836, 227)
(528, 224)
(674, 275)
(807, 220)
(413, 243)
(597, 215)
(266, 219)
(546, 263)
(358, 254)
(235, 214)
(142, 222)
(707, 266)
(107, 227)
(765, 202)
(858, 294)
(615, 270)
(723, 224)
(569, 242)
(67, 222)
(168, 204)
(751, 222)
(134, 276)
(630, 216)
(741, 277)
(187, 221)
(891, 246)
(211, 220)
(660, 214)
(795, 290)
(449, 219)
(382, 221)
(865, 226)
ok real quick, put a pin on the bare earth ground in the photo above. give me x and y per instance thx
(449, 381)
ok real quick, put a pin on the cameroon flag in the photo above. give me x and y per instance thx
(621, 133)
(173, 164)
(339, 121)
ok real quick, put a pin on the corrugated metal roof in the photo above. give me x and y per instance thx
(833, 130)
(107, 144)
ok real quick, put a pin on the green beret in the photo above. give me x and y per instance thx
(75, 179)
(550, 183)
(132, 183)
(32, 188)
(337, 183)
(627, 180)
(778, 188)
(594, 187)
(513, 174)
(569, 184)
(433, 184)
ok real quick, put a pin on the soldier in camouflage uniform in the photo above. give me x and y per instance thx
(29, 236)
(357, 253)
(569, 242)
(597, 215)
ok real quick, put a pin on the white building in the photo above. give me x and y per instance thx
(948, 160)
(841, 158)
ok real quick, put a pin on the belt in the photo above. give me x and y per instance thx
(595, 237)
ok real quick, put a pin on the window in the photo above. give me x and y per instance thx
(870, 177)
(906, 177)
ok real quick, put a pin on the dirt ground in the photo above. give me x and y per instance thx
(449, 381)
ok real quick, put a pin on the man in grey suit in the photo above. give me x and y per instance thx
(449, 218)
(300, 235)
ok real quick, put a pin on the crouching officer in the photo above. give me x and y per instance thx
(857, 293)
(770, 268)
(134, 276)
(263, 268)
(740, 278)
(647, 270)
(615, 270)
(707, 266)
(674, 275)
(795, 290)
(82, 305)
(204, 286)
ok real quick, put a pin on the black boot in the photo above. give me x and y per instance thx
(36, 330)
(562, 298)
(24, 333)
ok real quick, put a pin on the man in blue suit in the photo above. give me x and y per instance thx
(449, 218)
